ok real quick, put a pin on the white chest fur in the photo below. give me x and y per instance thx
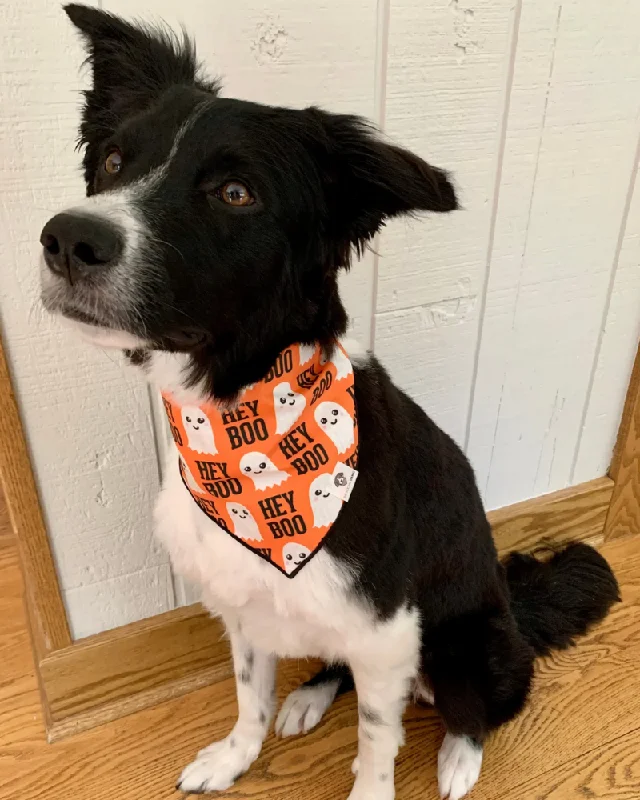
(309, 615)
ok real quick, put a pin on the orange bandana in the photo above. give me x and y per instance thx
(275, 471)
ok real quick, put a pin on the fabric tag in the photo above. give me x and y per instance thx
(343, 480)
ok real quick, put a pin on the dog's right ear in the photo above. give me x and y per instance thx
(131, 67)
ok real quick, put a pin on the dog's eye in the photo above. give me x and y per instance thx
(335, 412)
(234, 193)
(283, 400)
(201, 420)
(263, 465)
(113, 162)
(188, 419)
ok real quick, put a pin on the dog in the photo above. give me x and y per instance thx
(208, 249)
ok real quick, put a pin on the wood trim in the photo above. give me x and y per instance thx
(115, 673)
(577, 513)
(623, 518)
(630, 405)
(47, 615)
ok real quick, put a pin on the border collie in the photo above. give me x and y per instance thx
(209, 245)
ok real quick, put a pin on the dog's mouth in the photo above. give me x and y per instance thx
(101, 320)
(104, 330)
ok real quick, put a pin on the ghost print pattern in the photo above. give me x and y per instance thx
(262, 471)
(325, 505)
(199, 431)
(243, 523)
(288, 406)
(335, 421)
(294, 555)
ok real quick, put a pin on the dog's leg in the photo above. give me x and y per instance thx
(481, 670)
(218, 766)
(384, 676)
(304, 708)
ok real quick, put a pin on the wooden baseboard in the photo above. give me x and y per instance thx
(578, 513)
(116, 673)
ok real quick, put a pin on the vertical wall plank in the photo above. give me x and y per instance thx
(619, 340)
(447, 67)
(571, 136)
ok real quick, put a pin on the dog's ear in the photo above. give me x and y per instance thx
(369, 180)
(131, 67)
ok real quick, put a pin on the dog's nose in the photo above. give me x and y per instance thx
(76, 246)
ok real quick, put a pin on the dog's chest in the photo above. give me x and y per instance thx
(307, 615)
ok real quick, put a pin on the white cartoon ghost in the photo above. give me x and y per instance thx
(325, 505)
(188, 476)
(342, 364)
(307, 352)
(294, 554)
(262, 471)
(336, 423)
(244, 525)
(288, 405)
(198, 428)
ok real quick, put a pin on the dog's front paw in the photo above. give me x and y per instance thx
(459, 762)
(379, 788)
(219, 766)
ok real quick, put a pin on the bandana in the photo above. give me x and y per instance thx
(275, 471)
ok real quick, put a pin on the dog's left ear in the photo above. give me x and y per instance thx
(131, 67)
(369, 180)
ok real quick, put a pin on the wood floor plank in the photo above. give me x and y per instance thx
(578, 737)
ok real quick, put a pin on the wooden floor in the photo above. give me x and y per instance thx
(579, 737)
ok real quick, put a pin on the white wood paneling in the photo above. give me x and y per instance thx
(105, 605)
(447, 65)
(86, 417)
(568, 155)
(619, 343)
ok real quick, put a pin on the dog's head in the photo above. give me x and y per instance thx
(214, 225)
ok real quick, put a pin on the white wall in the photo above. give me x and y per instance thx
(514, 322)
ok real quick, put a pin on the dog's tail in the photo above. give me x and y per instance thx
(557, 594)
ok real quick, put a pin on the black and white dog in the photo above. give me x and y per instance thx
(211, 239)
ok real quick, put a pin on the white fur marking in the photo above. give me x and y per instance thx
(459, 763)
(304, 708)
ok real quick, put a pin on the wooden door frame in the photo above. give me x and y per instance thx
(106, 676)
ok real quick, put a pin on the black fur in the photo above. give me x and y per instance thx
(557, 599)
(236, 286)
